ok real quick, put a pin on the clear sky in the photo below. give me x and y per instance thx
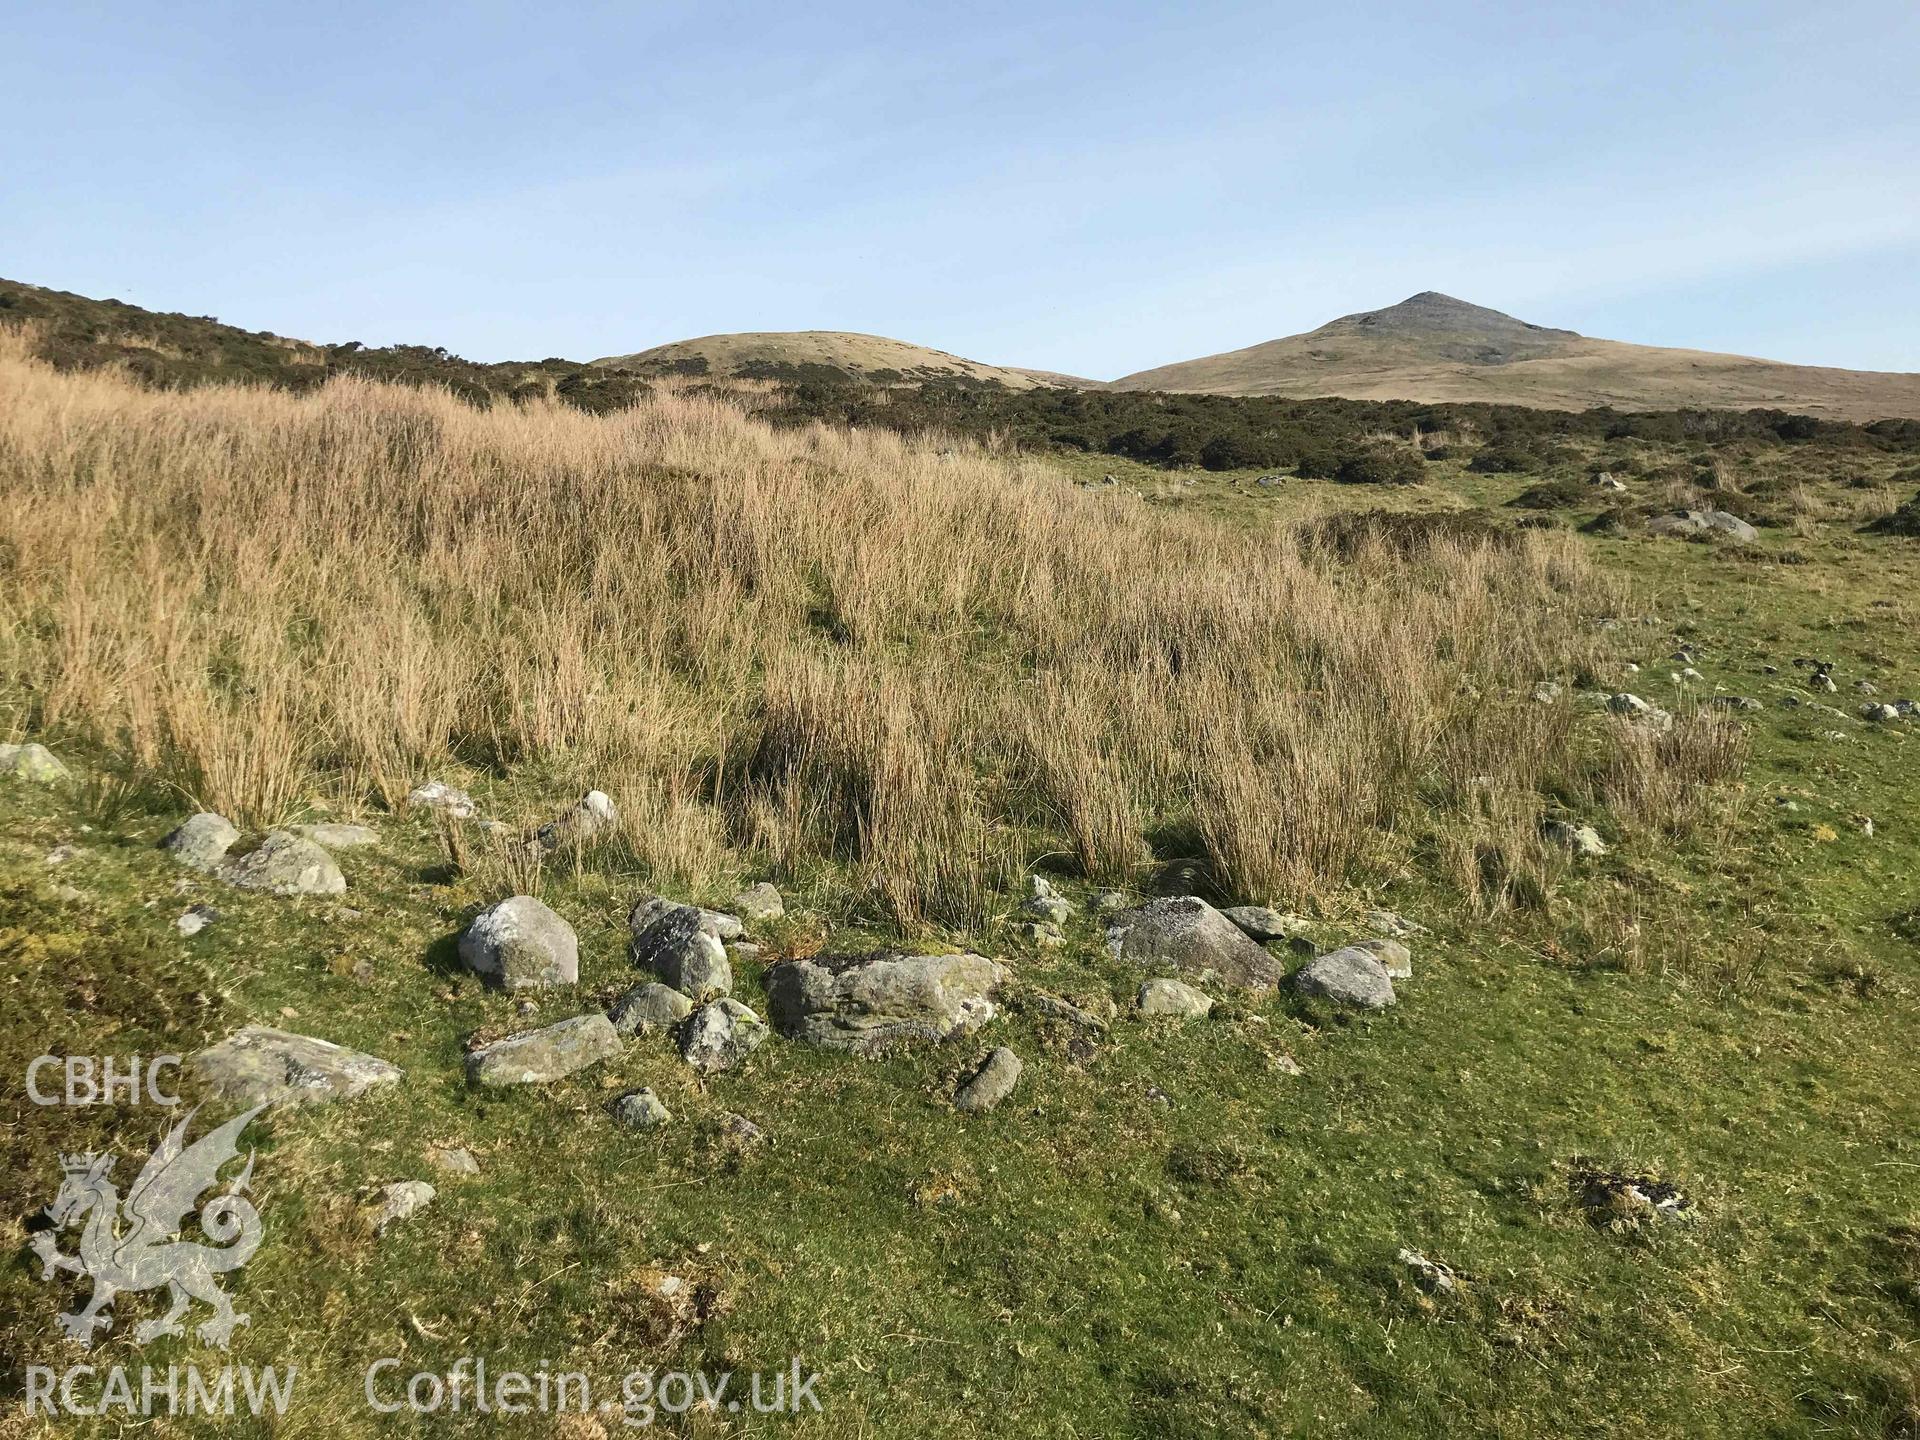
(1087, 188)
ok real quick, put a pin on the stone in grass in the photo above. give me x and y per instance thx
(195, 920)
(259, 1065)
(650, 909)
(1392, 922)
(869, 1004)
(537, 1057)
(331, 835)
(399, 1200)
(454, 1160)
(438, 795)
(32, 762)
(991, 1083)
(719, 1036)
(202, 841)
(590, 818)
(285, 864)
(682, 950)
(759, 902)
(521, 943)
(1174, 998)
(1429, 1275)
(649, 1007)
(1350, 976)
(1262, 923)
(1184, 933)
(1395, 957)
(639, 1110)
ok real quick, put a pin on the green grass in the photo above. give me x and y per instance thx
(1085, 1261)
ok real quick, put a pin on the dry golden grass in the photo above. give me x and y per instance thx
(796, 647)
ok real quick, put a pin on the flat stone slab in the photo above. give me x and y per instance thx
(1174, 998)
(259, 1065)
(868, 1004)
(1185, 934)
(538, 1057)
(1351, 976)
(649, 1007)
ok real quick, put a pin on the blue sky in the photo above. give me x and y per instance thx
(1094, 189)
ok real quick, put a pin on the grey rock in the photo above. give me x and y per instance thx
(1049, 909)
(438, 795)
(741, 1132)
(1055, 1008)
(991, 1083)
(32, 762)
(1175, 998)
(454, 1160)
(651, 909)
(1395, 957)
(536, 1057)
(520, 944)
(639, 1110)
(759, 903)
(332, 836)
(1735, 702)
(1429, 1275)
(202, 841)
(1640, 711)
(719, 1036)
(681, 948)
(1259, 922)
(1391, 922)
(1546, 692)
(1044, 934)
(1582, 841)
(1186, 934)
(285, 864)
(399, 1200)
(259, 1065)
(649, 1007)
(1879, 713)
(867, 1004)
(1109, 901)
(1702, 522)
(1349, 976)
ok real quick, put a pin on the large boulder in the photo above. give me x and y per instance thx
(202, 841)
(990, 1084)
(32, 762)
(286, 864)
(1184, 933)
(650, 909)
(719, 1036)
(260, 1065)
(867, 1004)
(1351, 976)
(1702, 522)
(519, 944)
(536, 1057)
(681, 948)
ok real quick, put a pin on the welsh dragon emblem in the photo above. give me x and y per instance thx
(148, 1253)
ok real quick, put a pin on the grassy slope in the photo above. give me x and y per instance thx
(851, 354)
(1083, 1261)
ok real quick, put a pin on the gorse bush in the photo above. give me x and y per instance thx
(786, 646)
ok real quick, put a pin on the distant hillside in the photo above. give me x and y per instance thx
(1436, 349)
(824, 355)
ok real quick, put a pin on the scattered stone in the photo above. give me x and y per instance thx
(259, 1065)
(591, 817)
(867, 1004)
(1390, 922)
(1613, 1198)
(1397, 959)
(1287, 1065)
(1879, 713)
(521, 944)
(1258, 922)
(743, 950)
(438, 795)
(742, 1132)
(1349, 976)
(991, 1083)
(1157, 1096)
(682, 950)
(719, 1036)
(759, 903)
(1702, 522)
(399, 1200)
(1582, 841)
(1049, 909)
(285, 864)
(1044, 934)
(332, 836)
(536, 1057)
(1108, 901)
(1054, 1007)
(1822, 682)
(196, 919)
(651, 909)
(1735, 702)
(453, 1159)
(1189, 935)
(1429, 1275)
(202, 841)
(639, 1110)
(1175, 998)
(1547, 691)
(1634, 708)
(33, 763)
(649, 1007)
(1609, 482)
